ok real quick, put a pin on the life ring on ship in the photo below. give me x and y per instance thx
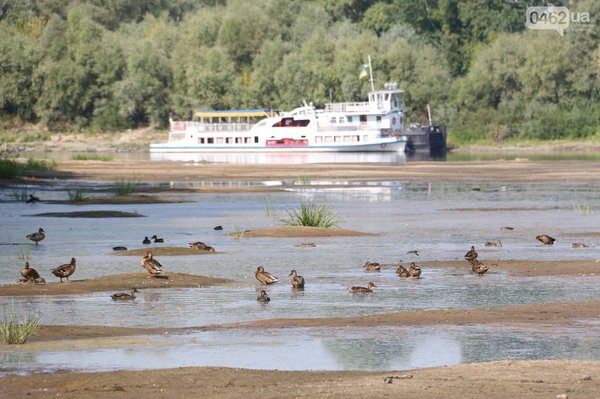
(394, 120)
(383, 145)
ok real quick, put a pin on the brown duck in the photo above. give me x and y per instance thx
(29, 274)
(263, 297)
(297, 281)
(546, 239)
(363, 290)
(478, 267)
(496, 243)
(64, 271)
(414, 270)
(372, 266)
(579, 245)
(37, 237)
(202, 246)
(153, 266)
(402, 271)
(123, 296)
(506, 228)
(265, 277)
(471, 255)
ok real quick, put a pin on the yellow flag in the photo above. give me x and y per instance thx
(363, 72)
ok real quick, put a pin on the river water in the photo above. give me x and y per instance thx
(440, 220)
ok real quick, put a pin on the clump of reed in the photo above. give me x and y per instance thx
(77, 195)
(312, 214)
(92, 157)
(125, 187)
(15, 331)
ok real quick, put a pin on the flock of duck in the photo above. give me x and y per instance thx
(155, 269)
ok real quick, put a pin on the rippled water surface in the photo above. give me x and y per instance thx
(440, 220)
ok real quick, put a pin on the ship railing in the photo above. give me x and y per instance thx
(348, 107)
(193, 126)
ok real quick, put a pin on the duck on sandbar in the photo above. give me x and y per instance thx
(153, 266)
(263, 297)
(471, 255)
(496, 243)
(64, 271)
(123, 296)
(37, 237)
(414, 270)
(363, 290)
(29, 274)
(545, 239)
(202, 246)
(297, 281)
(265, 277)
(479, 267)
(372, 266)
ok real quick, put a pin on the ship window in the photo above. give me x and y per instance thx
(365, 138)
(332, 119)
(337, 139)
(256, 139)
(219, 140)
(363, 118)
(328, 139)
(347, 139)
(379, 119)
(200, 140)
(238, 140)
(355, 139)
(318, 139)
(246, 140)
(210, 140)
(349, 118)
(341, 119)
(229, 140)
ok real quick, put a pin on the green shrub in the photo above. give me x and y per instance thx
(123, 187)
(10, 169)
(78, 195)
(92, 157)
(311, 214)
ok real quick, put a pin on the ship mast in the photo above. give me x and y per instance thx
(371, 74)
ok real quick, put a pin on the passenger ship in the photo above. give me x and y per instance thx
(372, 126)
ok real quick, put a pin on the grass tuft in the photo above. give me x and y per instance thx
(123, 187)
(17, 332)
(92, 157)
(78, 195)
(312, 214)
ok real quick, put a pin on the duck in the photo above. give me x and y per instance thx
(156, 239)
(506, 228)
(32, 199)
(218, 228)
(306, 244)
(119, 248)
(372, 266)
(37, 237)
(471, 255)
(29, 274)
(363, 290)
(263, 297)
(545, 239)
(478, 267)
(265, 277)
(202, 246)
(413, 252)
(579, 245)
(496, 243)
(402, 271)
(123, 296)
(297, 281)
(64, 271)
(153, 266)
(414, 270)
(146, 241)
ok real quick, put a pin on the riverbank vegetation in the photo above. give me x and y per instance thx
(111, 65)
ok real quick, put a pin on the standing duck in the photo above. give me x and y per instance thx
(363, 290)
(478, 267)
(29, 274)
(263, 297)
(402, 271)
(157, 240)
(546, 239)
(414, 270)
(64, 271)
(265, 277)
(153, 266)
(297, 281)
(32, 199)
(146, 241)
(37, 237)
(123, 296)
(471, 255)
(202, 246)
(372, 266)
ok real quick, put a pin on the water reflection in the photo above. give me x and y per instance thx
(378, 348)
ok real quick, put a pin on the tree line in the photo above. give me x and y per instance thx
(116, 64)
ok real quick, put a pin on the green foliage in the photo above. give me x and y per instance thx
(125, 187)
(78, 195)
(14, 331)
(312, 214)
(92, 157)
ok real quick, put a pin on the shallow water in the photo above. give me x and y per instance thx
(441, 220)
